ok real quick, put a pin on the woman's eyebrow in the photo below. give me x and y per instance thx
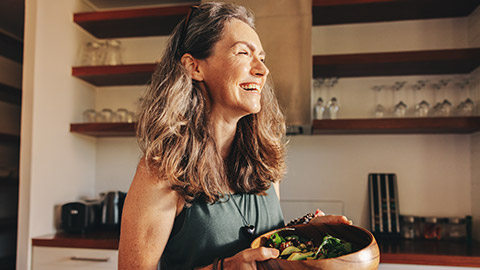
(250, 45)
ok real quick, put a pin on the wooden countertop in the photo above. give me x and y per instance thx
(430, 252)
(98, 240)
(425, 252)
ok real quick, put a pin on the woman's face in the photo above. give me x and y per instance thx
(235, 73)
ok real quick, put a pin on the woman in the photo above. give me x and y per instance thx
(212, 136)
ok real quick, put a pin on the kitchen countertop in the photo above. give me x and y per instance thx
(424, 252)
(430, 252)
(97, 240)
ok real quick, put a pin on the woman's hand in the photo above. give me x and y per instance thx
(248, 258)
(320, 217)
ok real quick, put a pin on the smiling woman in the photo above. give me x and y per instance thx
(212, 135)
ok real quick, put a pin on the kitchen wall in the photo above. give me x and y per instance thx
(56, 166)
(433, 170)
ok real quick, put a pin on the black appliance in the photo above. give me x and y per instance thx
(111, 209)
(78, 217)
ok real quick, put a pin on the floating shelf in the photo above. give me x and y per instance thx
(159, 21)
(136, 74)
(437, 125)
(104, 129)
(460, 125)
(327, 12)
(10, 94)
(453, 61)
(11, 48)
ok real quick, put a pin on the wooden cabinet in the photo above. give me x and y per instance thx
(61, 258)
(11, 49)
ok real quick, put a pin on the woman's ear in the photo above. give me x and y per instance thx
(191, 65)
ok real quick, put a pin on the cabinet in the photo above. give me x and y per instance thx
(10, 100)
(56, 258)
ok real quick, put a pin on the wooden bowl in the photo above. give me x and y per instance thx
(366, 257)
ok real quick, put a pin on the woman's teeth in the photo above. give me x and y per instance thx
(251, 87)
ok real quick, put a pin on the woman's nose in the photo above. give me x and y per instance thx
(259, 68)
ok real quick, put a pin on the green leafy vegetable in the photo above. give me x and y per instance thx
(294, 247)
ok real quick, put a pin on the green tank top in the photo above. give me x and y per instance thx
(206, 231)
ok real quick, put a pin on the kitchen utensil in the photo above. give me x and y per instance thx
(111, 209)
(367, 257)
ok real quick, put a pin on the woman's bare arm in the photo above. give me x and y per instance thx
(148, 214)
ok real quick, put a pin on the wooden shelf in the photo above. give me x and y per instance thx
(10, 94)
(328, 12)
(430, 252)
(11, 48)
(136, 74)
(453, 61)
(104, 129)
(437, 125)
(159, 21)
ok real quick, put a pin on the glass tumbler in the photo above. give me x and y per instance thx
(89, 116)
(105, 115)
(121, 115)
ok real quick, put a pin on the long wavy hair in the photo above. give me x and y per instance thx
(173, 128)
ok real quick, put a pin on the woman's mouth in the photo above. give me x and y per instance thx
(251, 87)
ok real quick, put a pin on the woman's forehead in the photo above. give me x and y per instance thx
(238, 32)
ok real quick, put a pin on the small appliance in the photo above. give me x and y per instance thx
(79, 217)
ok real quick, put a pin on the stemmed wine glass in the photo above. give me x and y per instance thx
(332, 106)
(465, 108)
(379, 108)
(442, 107)
(422, 107)
(319, 107)
(400, 108)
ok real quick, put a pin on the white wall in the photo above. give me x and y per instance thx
(432, 171)
(56, 166)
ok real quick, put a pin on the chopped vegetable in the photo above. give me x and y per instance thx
(294, 247)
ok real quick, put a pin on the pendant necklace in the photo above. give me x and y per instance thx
(247, 229)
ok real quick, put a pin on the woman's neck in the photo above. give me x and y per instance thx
(224, 132)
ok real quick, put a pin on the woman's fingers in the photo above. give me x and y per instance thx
(331, 219)
(261, 254)
(248, 258)
(319, 213)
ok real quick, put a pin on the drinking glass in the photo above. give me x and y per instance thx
(319, 106)
(443, 106)
(113, 55)
(332, 106)
(379, 111)
(89, 116)
(466, 107)
(319, 109)
(422, 107)
(121, 115)
(105, 115)
(400, 108)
